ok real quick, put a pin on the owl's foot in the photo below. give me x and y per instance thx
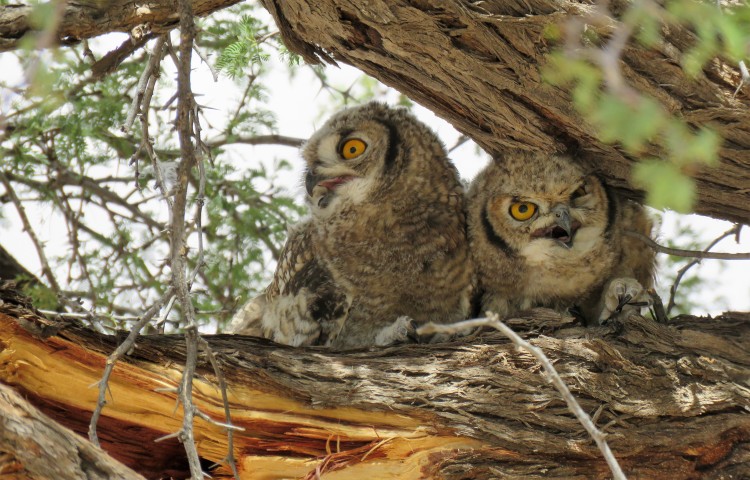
(403, 330)
(623, 294)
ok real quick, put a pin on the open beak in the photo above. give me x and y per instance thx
(564, 228)
(311, 180)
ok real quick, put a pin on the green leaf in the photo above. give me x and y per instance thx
(665, 184)
(631, 125)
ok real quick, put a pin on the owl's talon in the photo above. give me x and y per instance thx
(411, 332)
(403, 330)
(622, 295)
(624, 300)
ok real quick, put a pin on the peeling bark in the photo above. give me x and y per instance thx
(673, 400)
(34, 446)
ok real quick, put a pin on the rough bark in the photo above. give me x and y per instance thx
(672, 399)
(90, 18)
(477, 65)
(10, 269)
(32, 445)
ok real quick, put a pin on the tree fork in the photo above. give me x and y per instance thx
(672, 400)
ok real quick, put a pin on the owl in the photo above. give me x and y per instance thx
(544, 233)
(384, 248)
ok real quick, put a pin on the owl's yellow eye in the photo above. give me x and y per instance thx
(352, 148)
(522, 211)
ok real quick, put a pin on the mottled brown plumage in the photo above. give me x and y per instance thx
(385, 245)
(569, 252)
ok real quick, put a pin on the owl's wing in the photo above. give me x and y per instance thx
(636, 261)
(302, 305)
(626, 289)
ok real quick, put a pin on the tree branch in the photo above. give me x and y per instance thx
(493, 320)
(30, 232)
(687, 253)
(82, 20)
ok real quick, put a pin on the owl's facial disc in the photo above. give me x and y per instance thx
(563, 230)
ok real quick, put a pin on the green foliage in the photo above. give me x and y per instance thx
(637, 123)
(246, 49)
(665, 184)
(71, 163)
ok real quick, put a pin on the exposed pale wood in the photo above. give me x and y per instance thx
(672, 399)
(477, 65)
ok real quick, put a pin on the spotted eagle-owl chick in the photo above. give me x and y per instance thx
(544, 233)
(384, 247)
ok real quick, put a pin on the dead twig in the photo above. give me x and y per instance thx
(687, 253)
(150, 72)
(225, 399)
(735, 230)
(121, 350)
(10, 191)
(184, 124)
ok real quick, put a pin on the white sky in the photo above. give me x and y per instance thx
(297, 102)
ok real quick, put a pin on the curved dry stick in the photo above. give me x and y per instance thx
(121, 350)
(493, 320)
(735, 230)
(687, 253)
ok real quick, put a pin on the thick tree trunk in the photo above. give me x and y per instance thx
(673, 401)
(477, 65)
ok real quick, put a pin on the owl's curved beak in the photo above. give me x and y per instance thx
(311, 180)
(565, 228)
(330, 184)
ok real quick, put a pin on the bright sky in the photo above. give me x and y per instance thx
(297, 102)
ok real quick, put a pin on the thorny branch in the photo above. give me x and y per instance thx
(149, 75)
(121, 350)
(185, 124)
(493, 320)
(227, 413)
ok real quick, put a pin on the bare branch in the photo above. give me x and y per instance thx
(124, 347)
(109, 62)
(30, 231)
(687, 253)
(151, 70)
(184, 126)
(214, 73)
(735, 230)
(256, 140)
(227, 412)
